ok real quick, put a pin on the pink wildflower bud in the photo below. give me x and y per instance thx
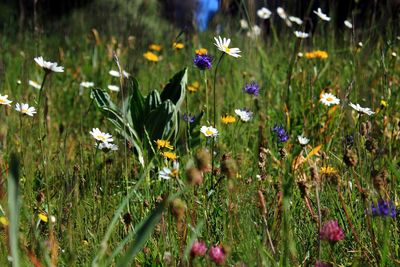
(198, 249)
(331, 232)
(217, 254)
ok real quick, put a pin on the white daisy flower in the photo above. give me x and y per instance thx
(348, 24)
(301, 35)
(329, 99)
(34, 84)
(296, 20)
(115, 73)
(48, 66)
(244, 115)
(112, 87)
(167, 173)
(100, 136)
(25, 109)
(281, 12)
(303, 140)
(223, 45)
(264, 13)
(254, 32)
(209, 131)
(360, 109)
(321, 15)
(107, 146)
(4, 100)
(243, 24)
(86, 84)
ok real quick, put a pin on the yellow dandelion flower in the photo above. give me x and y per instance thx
(150, 56)
(327, 170)
(3, 221)
(316, 54)
(201, 51)
(384, 104)
(193, 87)
(164, 144)
(227, 119)
(177, 46)
(155, 47)
(43, 217)
(169, 155)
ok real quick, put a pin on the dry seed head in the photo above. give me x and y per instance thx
(203, 160)
(379, 180)
(350, 158)
(371, 145)
(178, 208)
(228, 166)
(194, 176)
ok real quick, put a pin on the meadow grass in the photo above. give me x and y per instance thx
(266, 201)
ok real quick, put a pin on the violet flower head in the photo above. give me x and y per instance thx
(384, 209)
(252, 88)
(331, 232)
(198, 249)
(322, 264)
(203, 62)
(188, 118)
(280, 133)
(217, 254)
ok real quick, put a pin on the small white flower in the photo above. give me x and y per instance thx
(301, 35)
(209, 131)
(223, 45)
(87, 84)
(303, 140)
(244, 115)
(114, 88)
(19, 82)
(348, 24)
(394, 54)
(254, 32)
(281, 12)
(321, 15)
(360, 109)
(167, 173)
(300, 54)
(264, 13)
(107, 146)
(48, 66)
(34, 84)
(329, 99)
(100, 136)
(115, 73)
(4, 100)
(360, 44)
(296, 20)
(243, 24)
(25, 109)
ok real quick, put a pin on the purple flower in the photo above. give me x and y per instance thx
(188, 118)
(203, 62)
(252, 88)
(331, 232)
(383, 208)
(198, 249)
(217, 254)
(281, 133)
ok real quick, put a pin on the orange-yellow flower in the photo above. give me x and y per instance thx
(193, 87)
(227, 119)
(150, 56)
(163, 144)
(155, 47)
(169, 155)
(201, 51)
(177, 46)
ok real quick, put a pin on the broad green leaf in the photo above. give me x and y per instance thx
(136, 106)
(176, 88)
(162, 122)
(152, 101)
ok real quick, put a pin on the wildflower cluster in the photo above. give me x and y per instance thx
(317, 54)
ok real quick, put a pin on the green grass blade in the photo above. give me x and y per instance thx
(13, 205)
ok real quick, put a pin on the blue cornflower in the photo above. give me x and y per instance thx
(188, 118)
(281, 133)
(349, 140)
(252, 88)
(384, 208)
(203, 62)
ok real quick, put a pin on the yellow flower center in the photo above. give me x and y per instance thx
(209, 132)
(329, 99)
(2, 101)
(226, 49)
(100, 137)
(24, 110)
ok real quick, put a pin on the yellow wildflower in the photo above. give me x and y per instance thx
(316, 54)
(227, 119)
(201, 51)
(177, 46)
(3, 221)
(169, 155)
(43, 217)
(327, 170)
(150, 56)
(155, 47)
(193, 87)
(384, 104)
(163, 143)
